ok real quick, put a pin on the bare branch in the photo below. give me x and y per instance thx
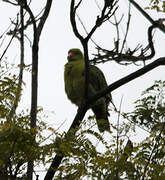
(15, 30)
(78, 5)
(86, 30)
(104, 17)
(129, 57)
(44, 17)
(18, 95)
(73, 20)
(7, 1)
(127, 29)
(129, 54)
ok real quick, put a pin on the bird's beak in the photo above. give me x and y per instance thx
(70, 54)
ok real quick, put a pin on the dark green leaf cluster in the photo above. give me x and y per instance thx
(17, 143)
(150, 108)
(149, 114)
(8, 90)
(83, 160)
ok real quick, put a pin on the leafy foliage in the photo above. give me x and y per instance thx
(143, 160)
(17, 143)
(149, 114)
(157, 5)
(150, 108)
(84, 160)
(8, 89)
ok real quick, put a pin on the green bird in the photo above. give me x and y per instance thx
(74, 79)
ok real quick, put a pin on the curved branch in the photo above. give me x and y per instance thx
(157, 23)
(73, 21)
(128, 56)
(151, 46)
(43, 18)
(157, 141)
(132, 76)
(58, 158)
(104, 17)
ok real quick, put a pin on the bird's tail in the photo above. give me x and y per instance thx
(103, 124)
(101, 118)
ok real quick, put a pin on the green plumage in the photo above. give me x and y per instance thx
(74, 79)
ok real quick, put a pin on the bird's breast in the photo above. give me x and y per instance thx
(74, 83)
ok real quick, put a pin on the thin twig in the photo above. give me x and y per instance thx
(73, 21)
(127, 28)
(157, 23)
(118, 34)
(18, 95)
(15, 30)
(117, 138)
(86, 30)
(118, 119)
(129, 55)
(154, 147)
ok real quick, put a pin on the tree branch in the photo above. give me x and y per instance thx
(104, 17)
(21, 67)
(155, 23)
(34, 83)
(73, 19)
(43, 18)
(155, 146)
(58, 158)
(129, 55)
(130, 77)
(14, 33)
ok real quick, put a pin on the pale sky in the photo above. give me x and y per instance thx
(57, 38)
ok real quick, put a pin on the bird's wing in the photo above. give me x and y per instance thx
(97, 82)
(97, 79)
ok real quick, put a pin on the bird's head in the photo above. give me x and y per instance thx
(74, 55)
